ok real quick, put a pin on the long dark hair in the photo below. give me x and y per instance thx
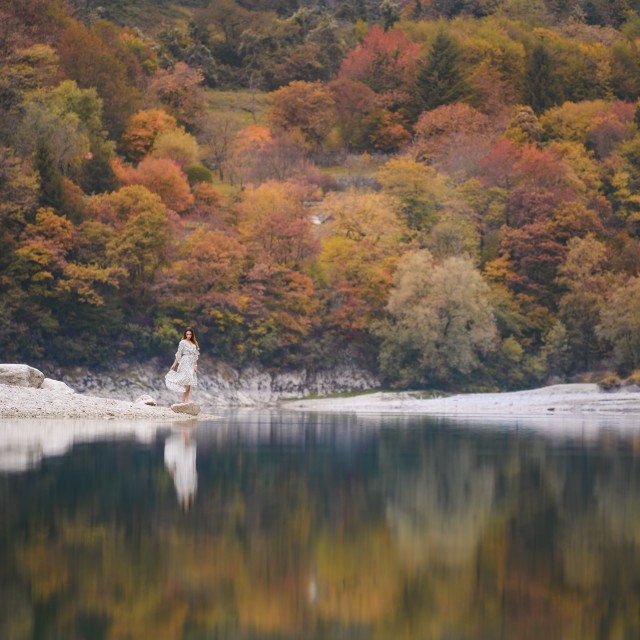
(193, 336)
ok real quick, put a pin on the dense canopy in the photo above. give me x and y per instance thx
(445, 192)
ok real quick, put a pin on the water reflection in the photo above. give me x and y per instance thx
(180, 460)
(316, 527)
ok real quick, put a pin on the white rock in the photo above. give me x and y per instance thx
(146, 399)
(20, 375)
(56, 385)
(186, 407)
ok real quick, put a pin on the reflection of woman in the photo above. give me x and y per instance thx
(187, 360)
(180, 459)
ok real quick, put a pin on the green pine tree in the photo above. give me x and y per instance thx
(361, 10)
(539, 87)
(390, 14)
(441, 80)
(51, 192)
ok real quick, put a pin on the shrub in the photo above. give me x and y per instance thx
(610, 382)
(198, 173)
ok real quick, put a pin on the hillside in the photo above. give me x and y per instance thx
(444, 192)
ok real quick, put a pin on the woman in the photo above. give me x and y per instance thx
(187, 360)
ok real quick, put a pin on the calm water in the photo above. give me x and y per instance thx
(289, 526)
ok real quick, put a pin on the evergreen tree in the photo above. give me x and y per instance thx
(539, 88)
(361, 10)
(51, 192)
(441, 80)
(390, 14)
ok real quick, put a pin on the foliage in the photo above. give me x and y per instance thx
(441, 80)
(291, 156)
(440, 321)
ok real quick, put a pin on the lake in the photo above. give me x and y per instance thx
(284, 525)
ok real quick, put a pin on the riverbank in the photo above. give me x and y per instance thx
(574, 399)
(29, 402)
(565, 399)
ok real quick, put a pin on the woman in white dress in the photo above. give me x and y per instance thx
(186, 376)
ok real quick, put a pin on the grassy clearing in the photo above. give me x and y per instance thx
(239, 106)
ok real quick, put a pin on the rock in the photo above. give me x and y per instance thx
(56, 385)
(186, 407)
(20, 375)
(146, 399)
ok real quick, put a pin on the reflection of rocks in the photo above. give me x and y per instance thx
(23, 444)
(437, 513)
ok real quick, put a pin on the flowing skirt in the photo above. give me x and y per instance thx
(185, 375)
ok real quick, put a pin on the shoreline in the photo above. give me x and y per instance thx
(29, 403)
(18, 403)
(577, 400)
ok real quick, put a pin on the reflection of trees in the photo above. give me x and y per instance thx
(437, 510)
(425, 534)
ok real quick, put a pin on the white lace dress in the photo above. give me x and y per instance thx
(185, 374)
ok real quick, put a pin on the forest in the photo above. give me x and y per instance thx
(443, 191)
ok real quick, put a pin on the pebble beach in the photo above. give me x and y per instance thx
(28, 402)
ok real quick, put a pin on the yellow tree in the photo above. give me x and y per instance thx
(421, 191)
(362, 241)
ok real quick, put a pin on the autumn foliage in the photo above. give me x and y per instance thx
(318, 185)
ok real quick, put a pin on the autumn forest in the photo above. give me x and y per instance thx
(445, 192)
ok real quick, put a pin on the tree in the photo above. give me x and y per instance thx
(352, 102)
(276, 225)
(304, 110)
(539, 87)
(441, 79)
(176, 145)
(181, 92)
(139, 247)
(440, 321)
(386, 63)
(18, 198)
(584, 276)
(208, 284)
(390, 13)
(215, 134)
(96, 58)
(620, 323)
(279, 159)
(280, 302)
(437, 129)
(63, 133)
(142, 130)
(161, 176)
(361, 245)
(51, 192)
(421, 190)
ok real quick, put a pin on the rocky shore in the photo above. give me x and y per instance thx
(120, 394)
(26, 393)
(219, 385)
(565, 399)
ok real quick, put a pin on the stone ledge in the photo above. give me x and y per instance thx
(186, 407)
